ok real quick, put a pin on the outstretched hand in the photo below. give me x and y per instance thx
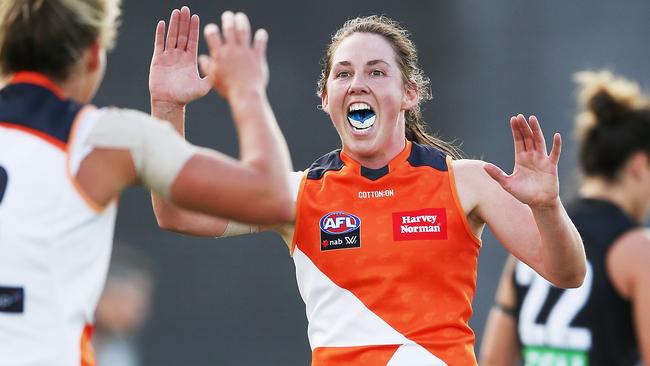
(534, 180)
(235, 65)
(173, 76)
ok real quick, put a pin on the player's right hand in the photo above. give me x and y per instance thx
(173, 76)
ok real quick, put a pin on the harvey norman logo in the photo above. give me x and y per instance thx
(426, 224)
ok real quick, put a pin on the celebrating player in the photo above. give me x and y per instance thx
(386, 234)
(64, 162)
(606, 320)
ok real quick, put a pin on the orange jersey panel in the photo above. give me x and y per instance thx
(392, 247)
(87, 352)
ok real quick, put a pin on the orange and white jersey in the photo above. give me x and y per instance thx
(54, 244)
(386, 262)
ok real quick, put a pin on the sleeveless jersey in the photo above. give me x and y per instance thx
(588, 326)
(54, 244)
(385, 262)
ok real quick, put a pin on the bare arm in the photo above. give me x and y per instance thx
(628, 268)
(254, 189)
(523, 209)
(174, 82)
(499, 346)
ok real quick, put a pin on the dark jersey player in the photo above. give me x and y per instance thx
(606, 321)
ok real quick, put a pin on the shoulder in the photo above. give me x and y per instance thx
(467, 165)
(635, 245)
(426, 155)
(477, 190)
(627, 260)
(328, 162)
(470, 173)
(124, 115)
(119, 123)
(295, 179)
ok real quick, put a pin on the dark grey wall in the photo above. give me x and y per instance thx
(235, 302)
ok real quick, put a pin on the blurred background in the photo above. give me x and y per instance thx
(235, 301)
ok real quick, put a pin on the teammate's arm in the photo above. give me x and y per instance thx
(174, 81)
(499, 346)
(523, 209)
(254, 189)
(628, 266)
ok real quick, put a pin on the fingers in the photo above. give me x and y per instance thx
(159, 39)
(517, 137)
(172, 32)
(259, 43)
(193, 40)
(212, 38)
(526, 132)
(242, 29)
(207, 68)
(183, 28)
(228, 27)
(528, 136)
(538, 136)
(496, 173)
(205, 64)
(236, 28)
(556, 149)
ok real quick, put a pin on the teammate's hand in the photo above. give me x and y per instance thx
(235, 66)
(173, 76)
(534, 180)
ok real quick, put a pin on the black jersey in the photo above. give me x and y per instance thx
(588, 326)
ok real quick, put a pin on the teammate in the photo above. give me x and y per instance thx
(63, 163)
(606, 320)
(386, 234)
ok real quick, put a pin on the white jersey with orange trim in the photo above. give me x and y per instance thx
(54, 243)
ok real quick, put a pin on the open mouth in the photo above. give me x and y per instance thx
(361, 116)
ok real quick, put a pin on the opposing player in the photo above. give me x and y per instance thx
(63, 163)
(386, 234)
(605, 321)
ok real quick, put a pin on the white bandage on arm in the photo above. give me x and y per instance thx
(158, 151)
(235, 228)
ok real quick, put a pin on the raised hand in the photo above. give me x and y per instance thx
(235, 66)
(173, 76)
(534, 180)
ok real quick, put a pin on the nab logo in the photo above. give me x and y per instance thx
(340, 230)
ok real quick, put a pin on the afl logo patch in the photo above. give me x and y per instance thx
(339, 230)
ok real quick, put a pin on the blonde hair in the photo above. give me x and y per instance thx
(407, 59)
(49, 36)
(613, 122)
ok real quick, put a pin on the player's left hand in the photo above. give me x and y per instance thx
(174, 76)
(237, 64)
(534, 180)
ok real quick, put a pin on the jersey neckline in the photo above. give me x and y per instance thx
(36, 78)
(374, 174)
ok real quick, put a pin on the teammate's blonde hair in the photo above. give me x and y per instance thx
(49, 36)
(407, 59)
(612, 124)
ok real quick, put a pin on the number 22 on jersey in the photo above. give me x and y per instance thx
(555, 341)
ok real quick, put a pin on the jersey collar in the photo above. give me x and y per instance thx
(36, 78)
(374, 174)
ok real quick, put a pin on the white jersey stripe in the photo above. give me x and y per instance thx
(414, 355)
(336, 317)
